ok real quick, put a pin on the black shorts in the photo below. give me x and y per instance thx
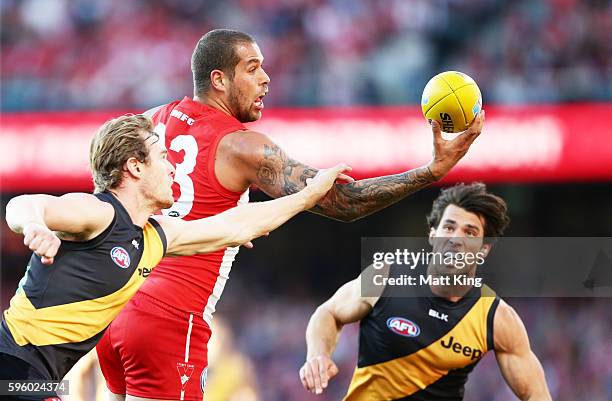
(13, 368)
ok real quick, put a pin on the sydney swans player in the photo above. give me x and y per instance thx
(217, 159)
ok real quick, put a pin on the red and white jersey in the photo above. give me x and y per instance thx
(191, 132)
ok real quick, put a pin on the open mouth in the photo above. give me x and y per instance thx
(259, 104)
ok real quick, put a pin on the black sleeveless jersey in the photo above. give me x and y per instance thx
(422, 348)
(60, 311)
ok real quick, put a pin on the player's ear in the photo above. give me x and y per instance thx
(486, 248)
(133, 167)
(432, 232)
(217, 80)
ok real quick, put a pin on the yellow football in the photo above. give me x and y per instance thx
(453, 99)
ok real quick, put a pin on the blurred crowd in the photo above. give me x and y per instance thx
(67, 54)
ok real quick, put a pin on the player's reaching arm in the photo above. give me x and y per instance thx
(243, 223)
(44, 219)
(518, 364)
(278, 175)
(345, 306)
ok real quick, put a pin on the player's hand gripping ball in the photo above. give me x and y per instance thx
(453, 99)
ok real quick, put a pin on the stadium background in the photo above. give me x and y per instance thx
(545, 70)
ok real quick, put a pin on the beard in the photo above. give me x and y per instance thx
(241, 106)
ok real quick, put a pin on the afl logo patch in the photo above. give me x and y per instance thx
(403, 327)
(203, 378)
(120, 256)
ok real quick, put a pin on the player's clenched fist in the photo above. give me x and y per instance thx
(41, 241)
(321, 183)
(316, 373)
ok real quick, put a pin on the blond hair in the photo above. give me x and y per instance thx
(114, 143)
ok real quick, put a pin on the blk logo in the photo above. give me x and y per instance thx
(438, 315)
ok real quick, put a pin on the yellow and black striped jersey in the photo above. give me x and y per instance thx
(422, 348)
(60, 311)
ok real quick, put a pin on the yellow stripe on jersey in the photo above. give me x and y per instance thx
(78, 321)
(401, 377)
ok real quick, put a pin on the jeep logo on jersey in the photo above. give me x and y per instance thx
(120, 257)
(403, 327)
(458, 348)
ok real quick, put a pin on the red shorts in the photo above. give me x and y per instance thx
(151, 350)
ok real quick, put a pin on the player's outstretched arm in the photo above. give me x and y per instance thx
(278, 175)
(345, 306)
(44, 219)
(243, 223)
(518, 364)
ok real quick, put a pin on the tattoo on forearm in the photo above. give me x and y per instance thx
(362, 198)
(279, 175)
(307, 172)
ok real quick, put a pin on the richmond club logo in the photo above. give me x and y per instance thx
(120, 257)
(403, 327)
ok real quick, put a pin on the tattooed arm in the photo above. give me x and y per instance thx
(268, 167)
(279, 175)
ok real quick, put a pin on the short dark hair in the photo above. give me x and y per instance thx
(475, 199)
(216, 50)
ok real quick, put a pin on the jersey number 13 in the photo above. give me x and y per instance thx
(187, 144)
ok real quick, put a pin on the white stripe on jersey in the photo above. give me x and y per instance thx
(188, 341)
(224, 271)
